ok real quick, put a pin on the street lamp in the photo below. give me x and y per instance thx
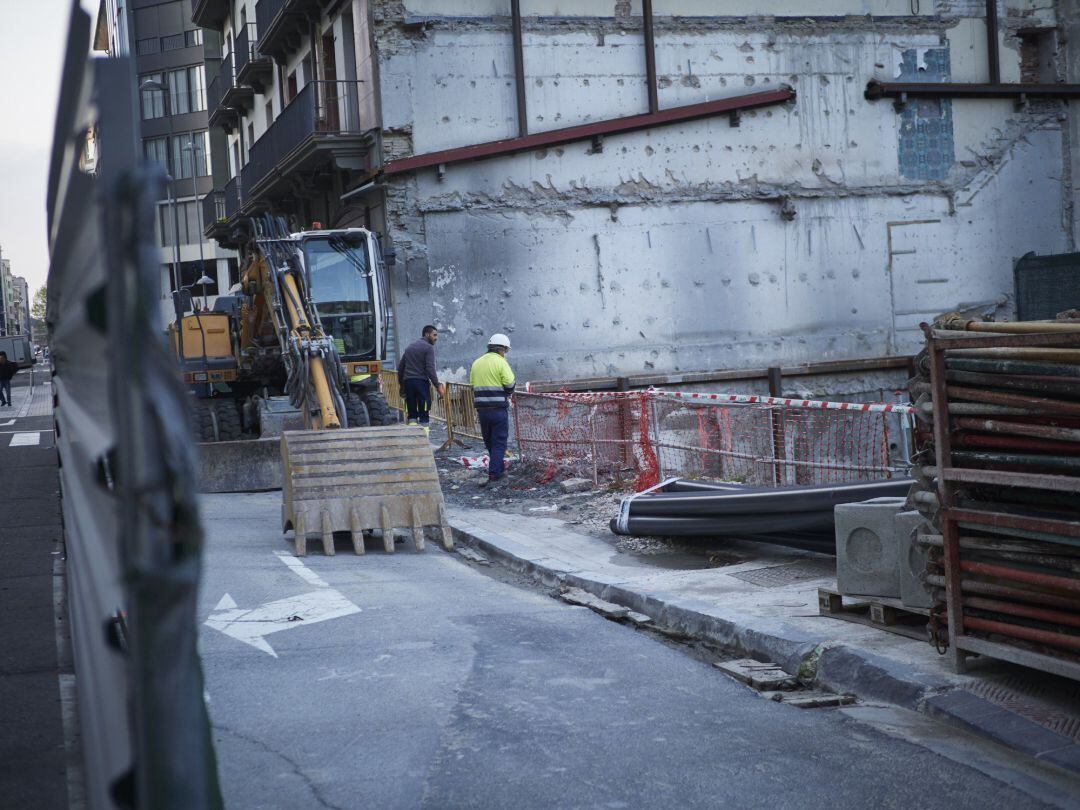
(190, 147)
(201, 280)
(154, 84)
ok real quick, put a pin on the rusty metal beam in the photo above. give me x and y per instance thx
(584, 132)
(650, 56)
(1007, 520)
(519, 70)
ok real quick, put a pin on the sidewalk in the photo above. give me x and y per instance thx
(768, 608)
(32, 673)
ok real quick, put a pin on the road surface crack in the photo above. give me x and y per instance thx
(295, 766)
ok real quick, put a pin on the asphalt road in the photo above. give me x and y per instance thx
(430, 684)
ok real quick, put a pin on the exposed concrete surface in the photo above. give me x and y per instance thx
(823, 229)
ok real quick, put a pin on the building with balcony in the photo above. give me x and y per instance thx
(289, 100)
(171, 69)
(7, 298)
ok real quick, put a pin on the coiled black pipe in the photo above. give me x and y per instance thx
(711, 526)
(765, 501)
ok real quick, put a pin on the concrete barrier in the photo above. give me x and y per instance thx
(244, 466)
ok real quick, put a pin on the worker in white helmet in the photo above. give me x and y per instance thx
(492, 381)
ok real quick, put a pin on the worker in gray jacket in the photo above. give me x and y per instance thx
(416, 376)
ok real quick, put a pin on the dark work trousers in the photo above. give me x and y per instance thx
(418, 400)
(495, 428)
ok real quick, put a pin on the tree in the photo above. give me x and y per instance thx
(37, 308)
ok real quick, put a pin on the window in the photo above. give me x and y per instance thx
(193, 38)
(152, 101)
(186, 220)
(155, 150)
(187, 90)
(251, 137)
(173, 42)
(146, 47)
(175, 159)
(269, 113)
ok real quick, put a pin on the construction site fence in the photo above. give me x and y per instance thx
(643, 437)
(455, 409)
(648, 436)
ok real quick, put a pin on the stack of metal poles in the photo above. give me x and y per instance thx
(998, 474)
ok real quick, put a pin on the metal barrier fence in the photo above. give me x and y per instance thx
(132, 531)
(456, 410)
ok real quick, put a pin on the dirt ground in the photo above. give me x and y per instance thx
(526, 491)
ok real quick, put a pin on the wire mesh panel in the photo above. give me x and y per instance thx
(767, 441)
(586, 435)
(657, 434)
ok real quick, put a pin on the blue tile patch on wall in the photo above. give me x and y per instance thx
(927, 149)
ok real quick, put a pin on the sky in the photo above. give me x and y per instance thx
(31, 59)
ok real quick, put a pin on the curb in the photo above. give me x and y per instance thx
(838, 667)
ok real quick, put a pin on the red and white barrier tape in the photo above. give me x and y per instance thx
(480, 462)
(737, 399)
(810, 404)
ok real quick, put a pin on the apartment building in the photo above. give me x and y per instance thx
(7, 296)
(167, 48)
(660, 185)
(20, 306)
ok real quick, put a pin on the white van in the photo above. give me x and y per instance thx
(17, 348)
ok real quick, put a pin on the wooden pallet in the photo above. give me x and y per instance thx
(882, 612)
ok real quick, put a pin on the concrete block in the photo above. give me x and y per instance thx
(912, 557)
(577, 596)
(817, 700)
(576, 485)
(866, 550)
(757, 674)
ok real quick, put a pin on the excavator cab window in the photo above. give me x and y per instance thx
(341, 292)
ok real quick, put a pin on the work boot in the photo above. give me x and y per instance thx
(427, 430)
(411, 423)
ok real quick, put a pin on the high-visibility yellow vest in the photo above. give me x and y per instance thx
(492, 381)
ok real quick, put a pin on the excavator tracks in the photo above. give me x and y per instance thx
(361, 480)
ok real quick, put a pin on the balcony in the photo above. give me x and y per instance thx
(319, 129)
(215, 215)
(252, 68)
(225, 99)
(283, 24)
(209, 13)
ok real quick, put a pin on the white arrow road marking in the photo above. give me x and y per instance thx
(8, 422)
(25, 439)
(250, 626)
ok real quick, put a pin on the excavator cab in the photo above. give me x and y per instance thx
(348, 292)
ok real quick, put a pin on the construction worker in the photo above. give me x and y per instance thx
(416, 376)
(492, 381)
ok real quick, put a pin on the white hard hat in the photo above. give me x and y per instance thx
(499, 339)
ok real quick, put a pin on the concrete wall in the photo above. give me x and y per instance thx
(669, 250)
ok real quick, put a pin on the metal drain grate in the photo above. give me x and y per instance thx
(787, 574)
(1052, 702)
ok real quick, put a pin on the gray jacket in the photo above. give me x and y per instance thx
(418, 363)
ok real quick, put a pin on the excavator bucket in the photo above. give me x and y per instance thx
(364, 479)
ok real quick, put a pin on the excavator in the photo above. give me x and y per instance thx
(294, 351)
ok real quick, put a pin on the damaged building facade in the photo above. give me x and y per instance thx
(764, 202)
